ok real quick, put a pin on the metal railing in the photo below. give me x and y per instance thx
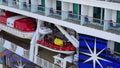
(64, 15)
(45, 64)
(114, 54)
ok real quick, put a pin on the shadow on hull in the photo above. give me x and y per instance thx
(25, 43)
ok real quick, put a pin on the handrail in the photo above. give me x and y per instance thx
(113, 52)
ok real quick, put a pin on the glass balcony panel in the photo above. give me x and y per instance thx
(4, 2)
(10, 3)
(93, 22)
(22, 5)
(41, 10)
(74, 18)
(114, 27)
(15, 4)
(113, 54)
(34, 8)
(54, 13)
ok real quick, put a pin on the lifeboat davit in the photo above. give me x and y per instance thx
(67, 48)
(18, 25)
(45, 30)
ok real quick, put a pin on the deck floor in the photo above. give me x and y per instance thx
(114, 31)
(54, 16)
(48, 55)
(93, 26)
(73, 21)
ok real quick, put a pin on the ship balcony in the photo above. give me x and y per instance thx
(113, 54)
(65, 16)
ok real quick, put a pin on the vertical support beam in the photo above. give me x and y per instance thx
(114, 15)
(64, 63)
(107, 16)
(34, 5)
(48, 5)
(84, 11)
(40, 23)
(101, 15)
(111, 45)
(65, 9)
(54, 4)
(70, 6)
(90, 13)
(21, 4)
(39, 2)
(31, 52)
(36, 52)
(10, 2)
(33, 41)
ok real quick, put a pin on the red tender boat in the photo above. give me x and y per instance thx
(67, 48)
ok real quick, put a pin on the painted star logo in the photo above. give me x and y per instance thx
(20, 65)
(94, 55)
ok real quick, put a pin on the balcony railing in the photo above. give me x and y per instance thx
(68, 16)
(113, 54)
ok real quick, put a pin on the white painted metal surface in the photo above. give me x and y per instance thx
(16, 32)
(63, 61)
(11, 20)
(44, 30)
(19, 51)
(75, 44)
(46, 64)
(7, 45)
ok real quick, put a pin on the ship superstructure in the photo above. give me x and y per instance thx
(61, 25)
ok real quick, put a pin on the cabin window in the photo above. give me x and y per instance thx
(118, 16)
(75, 10)
(98, 13)
(58, 7)
(43, 4)
(117, 47)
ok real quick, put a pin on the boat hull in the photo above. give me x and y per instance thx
(18, 33)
